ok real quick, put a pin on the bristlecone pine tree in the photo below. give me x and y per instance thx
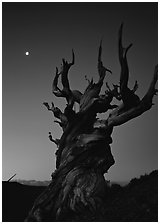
(77, 189)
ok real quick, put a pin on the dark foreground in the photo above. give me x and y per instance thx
(137, 202)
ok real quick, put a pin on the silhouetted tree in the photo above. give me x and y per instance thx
(84, 155)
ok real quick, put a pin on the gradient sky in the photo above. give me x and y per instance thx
(49, 31)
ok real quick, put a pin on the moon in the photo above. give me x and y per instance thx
(27, 53)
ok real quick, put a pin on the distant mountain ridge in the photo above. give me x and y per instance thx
(47, 182)
(34, 182)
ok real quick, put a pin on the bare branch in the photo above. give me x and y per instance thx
(152, 90)
(73, 58)
(119, 116)
(123, 62)
(101, 69)
(91, 94)
(57, 113)
(46, 105)
(108, 88)
(64, 77)
(64, 73)
(56, 141)
(71, 96)
(135, 86)
(132, 106)
(55, 90)
(89, 81)
(130, 99)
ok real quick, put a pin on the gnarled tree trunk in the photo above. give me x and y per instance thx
(78, 186)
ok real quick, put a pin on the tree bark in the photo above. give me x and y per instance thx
(77, 189)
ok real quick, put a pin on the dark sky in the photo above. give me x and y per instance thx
(49, 31)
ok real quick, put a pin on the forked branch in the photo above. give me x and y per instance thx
(101, 69)
(129, 98)
(117, 118)
(132, 106)
(64, 74)
(90, 99)
(55, 90)
(56, 141)
(58, 114)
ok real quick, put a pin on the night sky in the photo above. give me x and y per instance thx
(49, 31)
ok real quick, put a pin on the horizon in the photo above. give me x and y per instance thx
(48, 180)
(44, 183)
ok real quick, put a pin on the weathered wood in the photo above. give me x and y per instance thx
(84, 154)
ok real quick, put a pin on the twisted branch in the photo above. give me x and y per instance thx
(132, 106)
(58, 114)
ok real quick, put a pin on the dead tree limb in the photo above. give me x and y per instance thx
(117, 117)
(56, 141)
(58, 114)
